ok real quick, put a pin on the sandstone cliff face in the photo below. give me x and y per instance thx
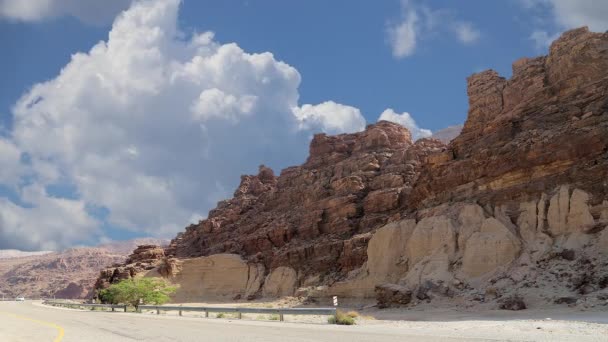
(517, 202)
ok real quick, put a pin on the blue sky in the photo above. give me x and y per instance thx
(140, 136)
(339, 47)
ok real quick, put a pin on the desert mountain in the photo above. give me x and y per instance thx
(67, 274)
(515, 206)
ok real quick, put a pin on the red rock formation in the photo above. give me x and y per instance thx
(144, 257)
(543, 127)
(526, 176)
(315, 217)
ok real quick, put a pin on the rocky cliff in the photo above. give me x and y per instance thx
(516, 204)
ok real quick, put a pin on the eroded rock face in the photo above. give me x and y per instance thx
(546, 126)
(557, 216)
(489, 248)
(525, 178)
(219, 276)
(315, 218)
(280, 282)
(432, 235)
(579, 216)
(387, 251)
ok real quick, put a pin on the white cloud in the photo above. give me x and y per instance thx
(47, 223)
(330, 117)
(564, 15)
(402, 36)
(405, 120)
(155, 128)
(418, 22)
(570, 14)
(215, 103)
(88, 11)
(592, 13)
(466, 32)
(10, 163)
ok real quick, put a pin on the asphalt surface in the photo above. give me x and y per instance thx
(30, 321)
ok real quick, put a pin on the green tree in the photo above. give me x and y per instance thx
(138, 290)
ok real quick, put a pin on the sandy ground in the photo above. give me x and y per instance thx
(555, 323)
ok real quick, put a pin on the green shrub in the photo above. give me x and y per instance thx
(274, 317)
(220, 315)
(138, 291)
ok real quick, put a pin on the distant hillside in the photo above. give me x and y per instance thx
(67, 274)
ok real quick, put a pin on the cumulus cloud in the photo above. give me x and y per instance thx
(215, 103)
(405, 120)
(418, 22)
(88, 11)
(152, 128)
(330, 117)
(45, 223)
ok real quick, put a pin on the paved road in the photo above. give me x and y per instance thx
(31, 321)
(27, 321)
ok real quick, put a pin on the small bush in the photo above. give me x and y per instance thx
(274, 317)
(220, 315)
(341, 318)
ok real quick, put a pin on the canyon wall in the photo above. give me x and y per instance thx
(517, 203)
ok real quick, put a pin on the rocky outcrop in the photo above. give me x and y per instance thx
(389, 295)
(544, 127)
(144, 258)
(483, 218)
